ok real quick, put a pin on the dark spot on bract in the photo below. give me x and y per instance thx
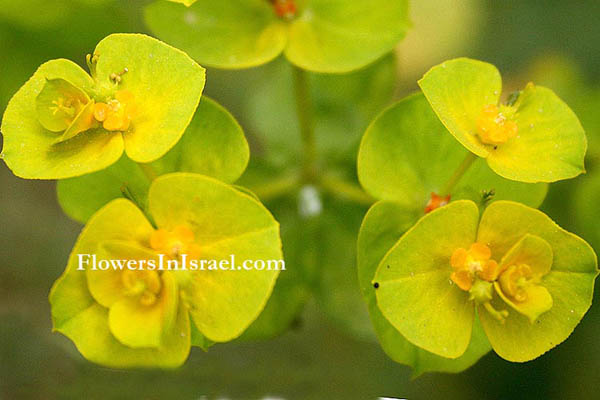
(376, 285)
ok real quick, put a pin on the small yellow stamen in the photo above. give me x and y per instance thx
(494, 127)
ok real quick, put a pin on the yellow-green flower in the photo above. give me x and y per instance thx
(405, 160)
(317, 35)
(151, 317)
(525, 279)
(139, 99)
(534, 137)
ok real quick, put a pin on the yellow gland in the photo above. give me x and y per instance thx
(175, 243)
(515, 281)
(117, 113)
(468, 265)
(143, 283)
(494, 127)
(519, 286)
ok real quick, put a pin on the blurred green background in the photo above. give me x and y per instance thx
(329, 350)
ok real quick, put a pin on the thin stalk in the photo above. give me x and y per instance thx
(276, 188)
(459, 172)
(346, 190)
(148, 171)
(304, 109)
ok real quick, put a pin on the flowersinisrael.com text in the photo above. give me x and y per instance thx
(164, 263)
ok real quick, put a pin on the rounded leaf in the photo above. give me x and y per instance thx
(457, 91)
(570, 281)
(415, 292)
(340, 36)
(550, 145)
(166, 85)
(383, 225)
(221, 34)
(213, 144)
(225, 222)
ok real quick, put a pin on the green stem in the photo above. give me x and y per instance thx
(458, 173)
(148, 171)
(346, 191)
(304, 108)
(276, 188)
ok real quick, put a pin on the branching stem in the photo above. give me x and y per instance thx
(304, 109)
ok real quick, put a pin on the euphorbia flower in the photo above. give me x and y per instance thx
(407, 156)
(534, 137)
(528, 281)
(150, 317)
(317, 35)
(139, 98)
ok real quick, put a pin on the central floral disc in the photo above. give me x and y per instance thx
(495, 126)
(175, 243)
(468, 265)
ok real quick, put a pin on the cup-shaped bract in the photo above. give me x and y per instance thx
(534, 137)
(149, 317)
(406, 155)
(139, 98)
(382, 227)
(317, 35)
(213, 145)
(528, 281)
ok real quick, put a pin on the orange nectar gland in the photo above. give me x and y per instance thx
(474, 272)
(494, 127)
(143, 283)
(175, 243)
(285, 8)
(117, 113)
(472, 264)
(436, 201)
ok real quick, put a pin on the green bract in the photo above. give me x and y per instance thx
(140, 97)
(406, 154)
(317, 35)
(213, 145)
(383, 225)
(103, 312)
(535, 137)
(528, 281)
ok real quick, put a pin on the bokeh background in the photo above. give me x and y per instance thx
(329, 350)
